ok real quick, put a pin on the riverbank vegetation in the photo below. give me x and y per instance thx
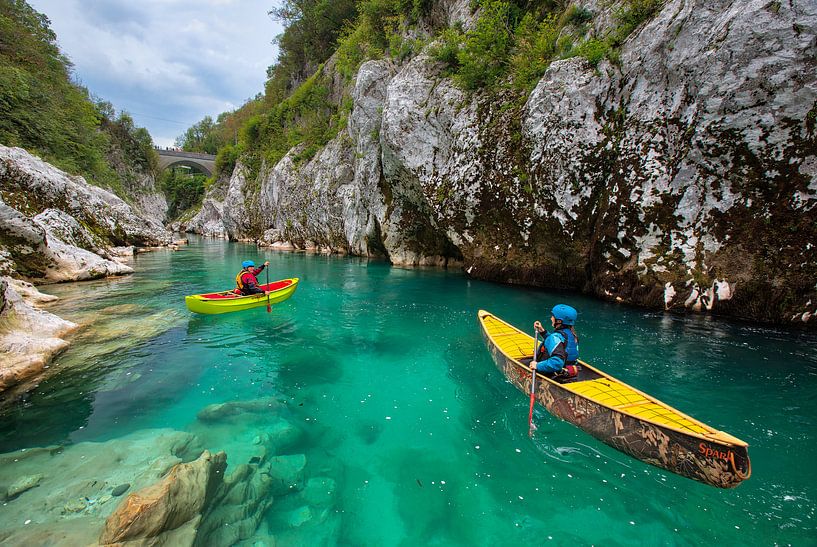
(183, 189)
(44, 111)
(508, 49)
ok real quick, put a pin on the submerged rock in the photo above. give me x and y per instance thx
(170, 508)
(22, 484)
(287, 473)
(73, 494)
(250, 431)
(119, 490)
(238, 508)
(231, 409)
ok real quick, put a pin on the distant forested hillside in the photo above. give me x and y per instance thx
(48, 114)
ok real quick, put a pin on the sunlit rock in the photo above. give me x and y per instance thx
(66, 228)
(175, 504)
(29, 337)
(208, 221)
(32, 186)
(54, 227)
(73, 495)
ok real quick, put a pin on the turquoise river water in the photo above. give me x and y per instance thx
(385, 371)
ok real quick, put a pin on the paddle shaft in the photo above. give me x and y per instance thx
(268, 291)
(533, 382)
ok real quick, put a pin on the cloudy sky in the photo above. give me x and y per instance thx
(168, 63)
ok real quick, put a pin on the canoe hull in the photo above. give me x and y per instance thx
(711, 462)
(201, 304)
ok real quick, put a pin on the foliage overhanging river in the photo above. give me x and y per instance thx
(385, 371)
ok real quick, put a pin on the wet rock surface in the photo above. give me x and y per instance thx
(29, 337)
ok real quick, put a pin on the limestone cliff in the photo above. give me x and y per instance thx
(682, 176)
(55, 227)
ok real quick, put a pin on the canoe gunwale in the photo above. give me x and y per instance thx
(715, 436)
(655, 443)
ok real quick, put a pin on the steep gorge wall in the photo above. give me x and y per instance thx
(685, 175)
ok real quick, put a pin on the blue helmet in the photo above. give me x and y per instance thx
(248, 264)
(564, 313)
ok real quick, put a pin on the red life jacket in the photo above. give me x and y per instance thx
(239, 279)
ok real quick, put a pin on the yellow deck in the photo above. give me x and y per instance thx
(606, 391)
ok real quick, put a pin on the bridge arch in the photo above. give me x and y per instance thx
(205, 163)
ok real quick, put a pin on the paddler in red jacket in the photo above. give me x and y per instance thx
(246, 282)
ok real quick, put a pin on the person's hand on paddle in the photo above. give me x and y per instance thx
(266, 263)
(532, 366)
(538, 326)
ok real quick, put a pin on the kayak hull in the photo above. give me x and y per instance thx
(227, 301)
(701, 453)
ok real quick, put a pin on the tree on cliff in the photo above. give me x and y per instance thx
(45, 112)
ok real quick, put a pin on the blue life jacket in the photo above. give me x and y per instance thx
(561, 344)
(571, 346)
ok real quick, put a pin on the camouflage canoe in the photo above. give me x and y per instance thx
(621, 416)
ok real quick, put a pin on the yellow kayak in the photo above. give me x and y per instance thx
(620, 415)
(227, 301)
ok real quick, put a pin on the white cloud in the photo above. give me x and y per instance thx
(167, 62)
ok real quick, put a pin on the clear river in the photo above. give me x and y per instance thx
(404, 416)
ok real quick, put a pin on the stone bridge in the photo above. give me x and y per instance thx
(201, 162)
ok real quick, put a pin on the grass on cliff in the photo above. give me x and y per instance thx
(302, 104)
(305, 106)
(512, 45)
(43, 111)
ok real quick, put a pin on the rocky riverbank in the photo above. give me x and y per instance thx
(29, 337)
(54, 228)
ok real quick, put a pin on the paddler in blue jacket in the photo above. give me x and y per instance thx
(246, 281)
(558, 354)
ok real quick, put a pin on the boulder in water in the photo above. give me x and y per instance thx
(119, 490)
(287, 473)
(174, 503)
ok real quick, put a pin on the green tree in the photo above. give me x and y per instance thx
(183, 189)
(43, 111)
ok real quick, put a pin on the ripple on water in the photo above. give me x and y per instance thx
(400, 405)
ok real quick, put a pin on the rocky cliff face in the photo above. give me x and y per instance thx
(684, 176)
(54, 227)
